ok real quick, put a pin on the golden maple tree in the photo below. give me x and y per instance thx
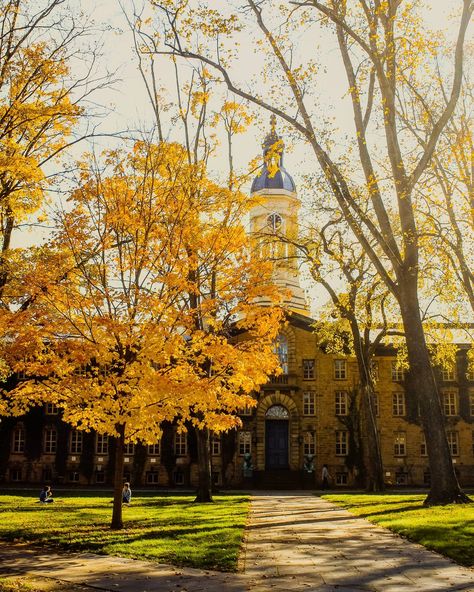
(151, 308)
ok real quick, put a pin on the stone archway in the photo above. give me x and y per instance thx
(277, 400)
(277, 437)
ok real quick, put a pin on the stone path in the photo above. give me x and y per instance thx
(294, 542)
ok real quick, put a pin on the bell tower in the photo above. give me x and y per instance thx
(275, 218)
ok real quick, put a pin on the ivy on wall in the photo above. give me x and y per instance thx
(139, 460)
(86, 463)
(34, 424)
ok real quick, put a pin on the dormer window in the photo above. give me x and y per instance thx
(274, 221)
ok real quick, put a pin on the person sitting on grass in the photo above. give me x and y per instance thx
(126, 493)
(46, 495)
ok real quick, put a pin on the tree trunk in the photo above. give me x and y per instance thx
(370, 441)
(117, 522)
(204, 489)
(372, 454)
(422, 385)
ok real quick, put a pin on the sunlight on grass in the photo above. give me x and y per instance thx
(449, 530)
(166, 529)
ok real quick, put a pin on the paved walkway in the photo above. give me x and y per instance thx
(294, 542)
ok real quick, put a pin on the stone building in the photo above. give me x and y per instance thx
(304, 418)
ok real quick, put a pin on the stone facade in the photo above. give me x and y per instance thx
(311, 406)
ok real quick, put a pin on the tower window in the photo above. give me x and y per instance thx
(274, 221)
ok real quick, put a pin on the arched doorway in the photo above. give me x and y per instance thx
(276, 437)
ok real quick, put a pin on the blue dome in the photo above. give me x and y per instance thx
(281, 179)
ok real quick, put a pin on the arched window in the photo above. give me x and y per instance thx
(281, 349)
(277, 412)
(275, 222)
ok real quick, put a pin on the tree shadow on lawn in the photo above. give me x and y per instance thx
(412, 507)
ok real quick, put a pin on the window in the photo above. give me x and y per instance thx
(281, 349)
(73, 476)
(15, 475)
(50, 440)
(152, 477)
(398, 374)
(448, 374)
(471, 404)
(274, 221)
(180, 444)
(374, 370)
(341, 478)
(450, 404)
(308, 369)
(375, 403)
(81, 370)
(245, 443)
(341, 403)
(340, 369)
(154, 449)
(453, 442)
(100, 477)
(216, 478)
(427, 478)
(246, 411)
(423, 450)
(398, 404)
(309, 403)
(342, 441)
(216, 445)
(51, 409)
(178, 478)
(309, 443)
(399, 445)
(75, 443)
(129, 448)
(19, 440)
(102, 444)
(401, 478)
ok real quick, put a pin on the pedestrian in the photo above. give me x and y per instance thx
(325, 476)
(126, 493)
(46, 495)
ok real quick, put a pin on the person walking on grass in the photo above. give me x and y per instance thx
(126, 493)
(46, 495)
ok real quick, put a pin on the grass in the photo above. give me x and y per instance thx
(449, 530)
(167, 529)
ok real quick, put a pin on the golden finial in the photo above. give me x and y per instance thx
(273, 122)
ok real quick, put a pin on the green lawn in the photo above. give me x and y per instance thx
(449, 530)
(168, 529)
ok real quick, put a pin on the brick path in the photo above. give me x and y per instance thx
(294, 542)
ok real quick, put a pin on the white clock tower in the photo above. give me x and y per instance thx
(275, 217)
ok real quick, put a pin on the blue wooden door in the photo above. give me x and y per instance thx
(276, 444)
